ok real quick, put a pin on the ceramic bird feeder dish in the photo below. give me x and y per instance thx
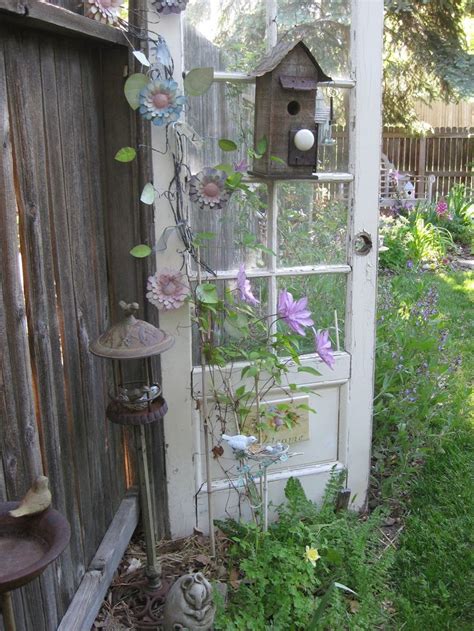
(286, 85)
(134, 403)
(28, 545)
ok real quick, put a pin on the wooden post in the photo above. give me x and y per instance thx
(271, 28)
(420, 189)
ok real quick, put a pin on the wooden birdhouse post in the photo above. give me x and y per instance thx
(286, 83)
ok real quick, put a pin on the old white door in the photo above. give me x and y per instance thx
(338, 274)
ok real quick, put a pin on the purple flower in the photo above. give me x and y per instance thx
(410, 264)
(245, 291)
(294, 312)
(242, 166)
(324, 348)
(441, 207)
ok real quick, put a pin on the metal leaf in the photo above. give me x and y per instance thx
(148, 194)
(133, 86)
(198, 81)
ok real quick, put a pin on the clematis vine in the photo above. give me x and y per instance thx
(166, 289)
(245, 290)
(324, 348)
(294, 312)
(160, 102)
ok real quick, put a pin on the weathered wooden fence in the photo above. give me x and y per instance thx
(447, 153)
(69, 214)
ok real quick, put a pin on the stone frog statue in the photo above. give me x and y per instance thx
(189, 604)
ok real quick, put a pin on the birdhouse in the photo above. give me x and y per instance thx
(286, 83)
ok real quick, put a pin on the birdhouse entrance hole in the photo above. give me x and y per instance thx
(293, 108)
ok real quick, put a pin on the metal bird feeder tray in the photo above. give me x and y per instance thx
(134, 402)
(28, 544)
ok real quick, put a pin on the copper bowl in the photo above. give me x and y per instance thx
(29, 544)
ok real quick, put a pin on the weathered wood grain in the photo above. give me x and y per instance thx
(44, 16)
(88, 598)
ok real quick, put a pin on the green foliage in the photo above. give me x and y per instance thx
(425, 56)
(423, 444)
(282, 590)
(413, 240)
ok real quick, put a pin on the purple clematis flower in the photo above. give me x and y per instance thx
(324, 348)
(245, 291)
(294, 312)
(242, 166)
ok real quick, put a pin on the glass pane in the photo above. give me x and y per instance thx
(225, 334)
(326, 297)
(240, 231)
(312, 223)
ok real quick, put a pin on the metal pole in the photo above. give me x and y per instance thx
(7, 611)
(153, 569)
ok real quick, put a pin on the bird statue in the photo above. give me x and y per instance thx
(37, 499)
(239, 442)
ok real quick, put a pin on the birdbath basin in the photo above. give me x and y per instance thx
(29, 544)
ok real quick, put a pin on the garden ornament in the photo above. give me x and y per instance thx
(239, 442)
(189, 604)
(37, 499)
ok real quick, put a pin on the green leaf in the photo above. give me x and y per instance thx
(227, 168)
(125, 154)
(278, 160)
(133, 86)
(207, 294)
(234, 180)
(198, 81)
(141, 251)
(227, 145)
(262, 146)
(148, 194)
(142, 58)
(310, 369)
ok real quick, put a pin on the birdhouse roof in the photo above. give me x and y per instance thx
(279, 52)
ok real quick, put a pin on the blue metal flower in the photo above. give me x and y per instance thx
(160, 102)
(170, 6)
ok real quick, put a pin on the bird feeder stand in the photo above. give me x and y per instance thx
(137, 404)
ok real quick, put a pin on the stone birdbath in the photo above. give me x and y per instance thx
(28, 545)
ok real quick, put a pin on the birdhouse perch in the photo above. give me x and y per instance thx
(286, 83)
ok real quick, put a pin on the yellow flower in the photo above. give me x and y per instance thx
(312, 555)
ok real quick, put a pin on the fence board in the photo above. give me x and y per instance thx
(447, 154)
(53, 392)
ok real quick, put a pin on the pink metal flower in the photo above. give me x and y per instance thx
(294, 312)
(207, 189)
(166, 289)
(104, 11)
(245, 290)
(441, 207)
(324, 348)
